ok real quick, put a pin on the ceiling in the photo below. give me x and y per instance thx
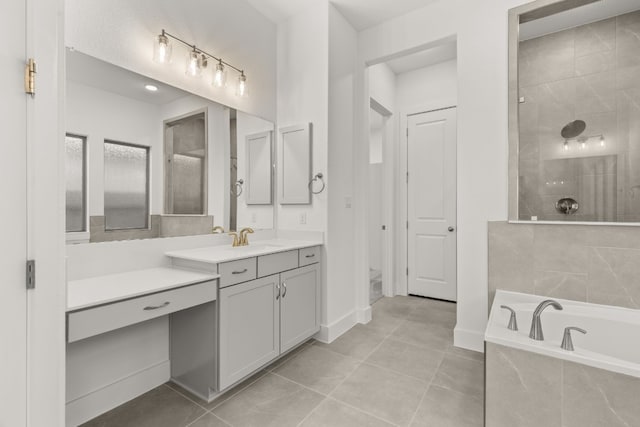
(575, 17)
(361, 14)
(90, 71)
(441, 53)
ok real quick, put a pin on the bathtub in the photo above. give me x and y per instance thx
(612, 341)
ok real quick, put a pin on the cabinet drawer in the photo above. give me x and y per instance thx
(93, 321)
(309, 256)
(238, 271)
(275, 263)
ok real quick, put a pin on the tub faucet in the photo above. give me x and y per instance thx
(536, 325)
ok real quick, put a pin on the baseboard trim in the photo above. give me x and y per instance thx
(104, 399)
(364, 314)
(471, 340)
(328, 333)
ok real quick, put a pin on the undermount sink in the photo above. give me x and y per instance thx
(255, 248)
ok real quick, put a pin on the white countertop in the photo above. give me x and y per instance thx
(218, 254)
(99, 290)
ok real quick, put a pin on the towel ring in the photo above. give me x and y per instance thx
(239, 188)
(318, 176)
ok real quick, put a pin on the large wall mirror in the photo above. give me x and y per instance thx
(574, 119)
(145, 159)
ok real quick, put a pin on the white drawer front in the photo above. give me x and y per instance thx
(239, 271)
(275, 263)
(93, 321)
(309, 256)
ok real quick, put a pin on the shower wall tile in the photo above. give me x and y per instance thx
(595, 93)
(595, 63)
(557, 284)
(597, 37)
(594, 263)
(614, 276)
(510, 255)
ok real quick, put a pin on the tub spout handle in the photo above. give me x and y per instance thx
(513, 322)
(567, 343)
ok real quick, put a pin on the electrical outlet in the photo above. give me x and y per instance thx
(303, 218)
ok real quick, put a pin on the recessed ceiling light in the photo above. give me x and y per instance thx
(151, 88)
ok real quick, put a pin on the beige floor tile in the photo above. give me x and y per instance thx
(433, 315)
(358, 342)
(292, 354)
(435, 337)
(397, 306)
(332, 413)
(160, 407)
(209, 420)
(467, 354)
(408, 359)
(270, 401)
(462, 375)
(319, 369)
(383, 323)
(391, 396)
(446, 408)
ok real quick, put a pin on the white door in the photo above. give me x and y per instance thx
(13, 250)
(431, 164)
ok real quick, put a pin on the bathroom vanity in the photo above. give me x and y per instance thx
(225, 312)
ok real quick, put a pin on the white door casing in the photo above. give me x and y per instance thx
(431, 204)
(13, 251)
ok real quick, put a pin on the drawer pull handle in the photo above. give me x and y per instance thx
(284, 285)
(310, 256)
(239, 272)
(155, 307)
(277, 292)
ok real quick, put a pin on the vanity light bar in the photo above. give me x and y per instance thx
(582, 140)
(198, 61)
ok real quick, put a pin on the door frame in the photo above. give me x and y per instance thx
(387, 196)
(402, 254)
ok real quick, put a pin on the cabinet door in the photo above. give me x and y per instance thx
(249, 328)
(299, 306)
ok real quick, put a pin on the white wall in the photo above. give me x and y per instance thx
(100, 115)
(482, 128)
(303, 79)
(382, 85)
(255, 216)
(435, 86)
(122, 32)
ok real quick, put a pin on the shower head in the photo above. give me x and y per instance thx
(573, 129)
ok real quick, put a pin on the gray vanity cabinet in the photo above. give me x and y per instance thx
(299, 305)
(265, 317)
(249, 328)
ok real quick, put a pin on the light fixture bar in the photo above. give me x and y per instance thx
(198, 50)
(584, 138)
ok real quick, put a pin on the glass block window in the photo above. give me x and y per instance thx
(126, 186)
(76, 193)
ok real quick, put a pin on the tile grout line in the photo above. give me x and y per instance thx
(426, 390)
(186, 397)
(196, 420)
(259, 377)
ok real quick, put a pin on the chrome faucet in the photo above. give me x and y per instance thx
(536, 325)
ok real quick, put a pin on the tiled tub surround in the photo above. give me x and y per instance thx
(591, 263)
(588, 73)
(533, 383)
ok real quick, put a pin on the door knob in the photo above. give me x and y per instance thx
(451, 229)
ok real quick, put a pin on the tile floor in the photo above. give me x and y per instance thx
(401, 369)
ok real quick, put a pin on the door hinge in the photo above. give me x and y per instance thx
(31, 274)
(407, 271)
(30, 77)
(407, 177)
(407, 132)
(407, 225)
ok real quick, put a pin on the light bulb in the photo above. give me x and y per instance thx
(566, 145)
(241, 90)
(602, 141)
(220, 75)
(583, 145)
(162, 49)
(194, 64)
